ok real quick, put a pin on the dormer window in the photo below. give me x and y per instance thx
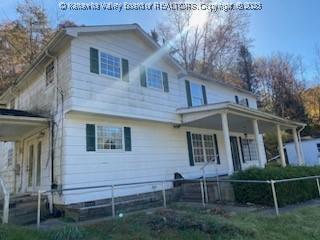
(50, 73)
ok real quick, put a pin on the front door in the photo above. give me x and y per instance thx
(34, 165)
(235, 153)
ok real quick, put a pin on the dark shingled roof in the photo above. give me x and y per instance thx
(17, 113)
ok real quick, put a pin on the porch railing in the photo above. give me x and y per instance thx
(6, 200)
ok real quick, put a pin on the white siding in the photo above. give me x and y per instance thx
(158, 151)
(98, 93)
(310, 152)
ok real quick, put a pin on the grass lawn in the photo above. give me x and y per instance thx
(186, 223)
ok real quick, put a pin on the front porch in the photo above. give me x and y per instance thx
(229, 117)
(27, 136)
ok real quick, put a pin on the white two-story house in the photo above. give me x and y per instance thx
(107, 105)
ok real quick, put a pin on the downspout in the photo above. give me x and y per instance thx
(59, 91)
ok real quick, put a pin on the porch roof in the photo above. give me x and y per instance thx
(17, 124)
(239, 118)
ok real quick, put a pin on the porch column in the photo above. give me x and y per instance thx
(280, 146)
(297, 146)
(256, 136)
(226, 137)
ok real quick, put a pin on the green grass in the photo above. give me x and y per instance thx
(186, 223)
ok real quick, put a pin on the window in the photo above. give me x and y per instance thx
(110, 65)
(109, 138)
(197, 147)
(50, 73)
(196, 94)
(154, 78)
(204, 149)
(209, 147)
(10, 156)
(318, 147)
(249, 150)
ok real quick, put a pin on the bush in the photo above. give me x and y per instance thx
(287, 193)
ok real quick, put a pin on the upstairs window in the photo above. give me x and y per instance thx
(196, 94)
(109, 138)
(110, 65)
(154, 78)
(50, 73)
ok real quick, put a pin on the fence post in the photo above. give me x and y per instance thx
(318, 185)
(6, 203)
(112, 202)
(219, 188)
(202, 194)
(39, 210)
(274, 194)
(205, 190)
(164, 195)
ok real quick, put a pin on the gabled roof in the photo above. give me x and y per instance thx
(74, 32)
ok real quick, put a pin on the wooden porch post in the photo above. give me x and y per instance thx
(297, 146)
(280, 146)
(226, 136)
(256, 136)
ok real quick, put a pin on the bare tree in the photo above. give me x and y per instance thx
(209, 48)
(281, 85)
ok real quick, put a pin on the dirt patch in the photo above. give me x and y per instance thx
(171, 219)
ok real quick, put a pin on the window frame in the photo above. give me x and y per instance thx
(161, 79)
(100, 68)
(54, 72)
(110, 126)
(250, 159)
(204, 148)
(202, 98)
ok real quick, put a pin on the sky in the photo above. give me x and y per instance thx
(291, 26)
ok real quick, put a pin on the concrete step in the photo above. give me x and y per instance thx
(23, 209)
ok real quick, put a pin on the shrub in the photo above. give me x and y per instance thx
(287, 192)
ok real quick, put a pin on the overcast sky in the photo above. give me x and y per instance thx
(288, 25)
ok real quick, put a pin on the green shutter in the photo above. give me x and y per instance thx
(143, 76)
(204, 94)
(217, 148)
(241, 149)
(165, 81)
(91, 137)
(189, 141)
(127, 138)
(94, 60)
(237, 99)
(125, 69)
(188, 92)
